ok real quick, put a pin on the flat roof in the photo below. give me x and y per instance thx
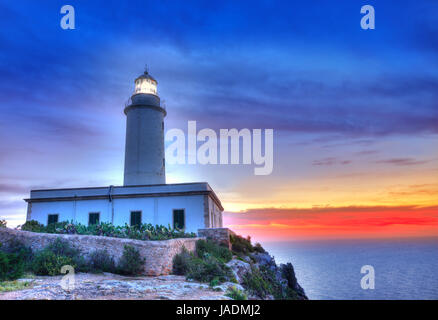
(90, 193)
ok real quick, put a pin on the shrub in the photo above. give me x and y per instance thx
(236, 294)
(46, 262)
(263, 281)
(256, 283)
(11, 266)
(33, 226)
(62, 247)
(14, 285)
(144, 232)
(258, 248)
(215, 282)
(3, 223)
(101, 261)
(131, 262)
(60, 252)
(18, 247)
(181, 262)
(240, 245)
(208, 247)
(207, 269)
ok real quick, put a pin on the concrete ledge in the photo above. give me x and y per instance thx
(159, 254)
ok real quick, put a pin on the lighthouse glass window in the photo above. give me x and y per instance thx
(143, 85)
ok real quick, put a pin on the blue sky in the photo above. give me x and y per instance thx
(342, 101)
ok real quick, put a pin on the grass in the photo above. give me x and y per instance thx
(15, 285)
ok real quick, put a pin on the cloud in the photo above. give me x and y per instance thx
(13, 188)
(330, 161)
(339, 222)
(403, 161)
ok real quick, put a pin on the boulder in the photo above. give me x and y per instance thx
(239, 268)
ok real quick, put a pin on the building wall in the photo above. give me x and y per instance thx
(155, 210)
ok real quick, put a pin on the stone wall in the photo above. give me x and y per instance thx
(159, 254)
(219, 235)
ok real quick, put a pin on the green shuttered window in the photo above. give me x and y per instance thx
(179, 219)
(53, 218)
(135, 218)
(93, 218)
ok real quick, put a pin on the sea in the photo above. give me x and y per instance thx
(331, 269)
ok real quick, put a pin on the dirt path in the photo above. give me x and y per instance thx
(114, 287)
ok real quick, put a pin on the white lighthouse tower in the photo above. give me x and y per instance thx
(144, 149)
(144, 197)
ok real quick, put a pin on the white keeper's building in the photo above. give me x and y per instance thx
(144, 197)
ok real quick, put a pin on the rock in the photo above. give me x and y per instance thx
(239, 268)
(228, 285)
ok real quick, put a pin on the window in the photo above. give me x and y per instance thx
(53, 218)
(93, 218)
(179, 219)
(135, 218)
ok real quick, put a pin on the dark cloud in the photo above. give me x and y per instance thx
(13, 188)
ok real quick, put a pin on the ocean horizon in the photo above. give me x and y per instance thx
(331, 269)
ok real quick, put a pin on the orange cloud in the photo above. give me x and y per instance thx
(331, 222)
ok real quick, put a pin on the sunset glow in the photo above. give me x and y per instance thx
(354, 113)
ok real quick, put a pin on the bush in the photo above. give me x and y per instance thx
(205, 248)
(18, 247)
(181, 262)
(101, 261)
(60, 252)
(240, 245)
(236, 294)
(262, 281)
(46, 262)
(144, 232)
(3, 223)
(33, 226)
(63, 248)
(256, 283)
(131, 263)
(207, 266)
(207, 269)
(11, 266)
(258, 248)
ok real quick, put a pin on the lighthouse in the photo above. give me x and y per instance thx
(144, 148)
(144, 197)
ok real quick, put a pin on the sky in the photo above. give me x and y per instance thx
(354, 112)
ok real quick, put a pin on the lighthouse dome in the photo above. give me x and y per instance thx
(145, 83)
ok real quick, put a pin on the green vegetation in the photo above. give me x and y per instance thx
(6, 286)
(262, 282)
(207, 264)
(236, 294)
(47, 263)
(11, 266)
(206, 248)
(57, 254)
(2, 223)
(242, 246)
(131, 263)
(16, 258)
(101, 261)
(142, 232)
